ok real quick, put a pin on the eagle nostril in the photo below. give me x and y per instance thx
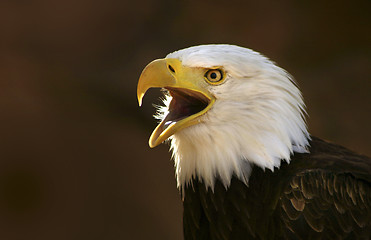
(171, 69)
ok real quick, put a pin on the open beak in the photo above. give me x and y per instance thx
(186, 85)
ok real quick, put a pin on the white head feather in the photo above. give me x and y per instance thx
(258, 118)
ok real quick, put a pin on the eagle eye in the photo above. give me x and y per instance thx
(214, 76)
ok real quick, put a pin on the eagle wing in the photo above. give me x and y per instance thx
(314, 205)
(322, 195)
(322, 205)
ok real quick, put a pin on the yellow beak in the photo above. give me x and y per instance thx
(186, 85)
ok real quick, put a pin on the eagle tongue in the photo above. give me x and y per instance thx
(167, 122)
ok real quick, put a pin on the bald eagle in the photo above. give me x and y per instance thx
(245, 164)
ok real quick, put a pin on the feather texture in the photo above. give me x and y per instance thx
(322, 195)
(257, 119)
(249, 169)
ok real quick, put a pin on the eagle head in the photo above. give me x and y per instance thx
(226, 108)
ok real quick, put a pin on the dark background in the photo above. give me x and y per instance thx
(74, 159)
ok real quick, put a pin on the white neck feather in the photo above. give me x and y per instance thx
(258, 118)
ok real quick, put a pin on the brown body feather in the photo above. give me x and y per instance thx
(325, 194)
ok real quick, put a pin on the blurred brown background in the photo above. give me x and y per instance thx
(74, 159)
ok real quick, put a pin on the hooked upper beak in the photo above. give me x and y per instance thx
(186, 85)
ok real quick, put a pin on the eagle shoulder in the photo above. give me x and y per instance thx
(324, 193)
(320, 204)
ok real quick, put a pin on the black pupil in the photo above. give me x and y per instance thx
(213, 75)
